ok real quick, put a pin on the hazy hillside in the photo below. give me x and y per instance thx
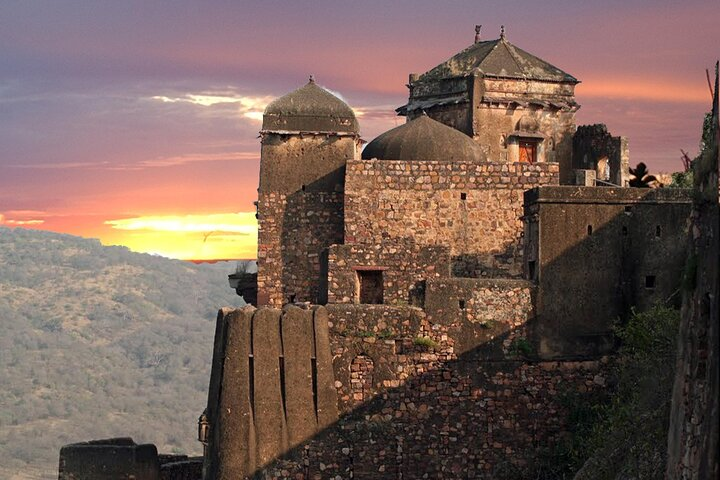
(99, 341)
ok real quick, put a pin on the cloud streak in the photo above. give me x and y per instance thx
(248, 106)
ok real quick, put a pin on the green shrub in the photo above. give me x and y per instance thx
(426, 342)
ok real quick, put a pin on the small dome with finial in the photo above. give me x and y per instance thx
(310, 108)
(424, 139)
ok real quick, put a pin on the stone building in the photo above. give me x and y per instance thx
(423, 303)
(516, 106)
(424, 306)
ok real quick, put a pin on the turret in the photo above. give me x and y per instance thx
(307, 137)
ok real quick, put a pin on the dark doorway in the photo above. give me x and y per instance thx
(370, 286)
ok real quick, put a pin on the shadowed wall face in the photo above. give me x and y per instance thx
(598, 252)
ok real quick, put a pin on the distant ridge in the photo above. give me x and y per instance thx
(100, 341)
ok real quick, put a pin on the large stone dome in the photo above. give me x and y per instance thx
(423, 139)
(310, 109)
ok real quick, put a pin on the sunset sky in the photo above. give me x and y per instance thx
(136, 122)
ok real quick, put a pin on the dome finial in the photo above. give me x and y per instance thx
(502, 32)
(312, 78)
(477, 33)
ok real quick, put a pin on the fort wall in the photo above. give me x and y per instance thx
(271, 387)
(410, 404)
(476, 312)
(614, 248)
(475, 209)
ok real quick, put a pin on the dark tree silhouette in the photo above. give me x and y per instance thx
(642, 179)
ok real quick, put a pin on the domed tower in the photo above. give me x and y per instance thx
(307, 137)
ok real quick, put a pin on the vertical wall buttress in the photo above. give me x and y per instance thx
(271, 388)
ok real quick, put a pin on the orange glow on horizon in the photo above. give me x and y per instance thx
(217, 236)
(190, 237)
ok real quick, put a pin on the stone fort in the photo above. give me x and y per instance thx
(422, 305)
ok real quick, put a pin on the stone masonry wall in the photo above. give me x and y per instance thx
(405, 266)
(294, 230)
(475, 209)
(300, 212)
(478, 311)
(434, 413)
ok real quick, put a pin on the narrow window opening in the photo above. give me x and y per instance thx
(461, 304)
(658, 231)
(371, 286)
(251, 381)
(628, 209)
(589, 229)
(291, 299)
(281, 365)
(624, 231)
(463, 196)
(531, 270)
(313, 370)
(650, 281)
(303, 188)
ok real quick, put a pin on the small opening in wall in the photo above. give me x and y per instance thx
(628, 209)
(650, 281)
(658, 231)
(370, 286)
(303, 188)
(624, 231)
(589, 229)
(531, 270)
(463, 196)
(291, 299)
(283, 395)
(461, 304)
(313, 373)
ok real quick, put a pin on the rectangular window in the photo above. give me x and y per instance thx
(370, 286)
(528, 151)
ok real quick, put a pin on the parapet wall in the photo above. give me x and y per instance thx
(109, 460)
(271, 387)
(420, 393)
(475, 209)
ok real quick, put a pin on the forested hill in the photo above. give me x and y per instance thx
(97, 342)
